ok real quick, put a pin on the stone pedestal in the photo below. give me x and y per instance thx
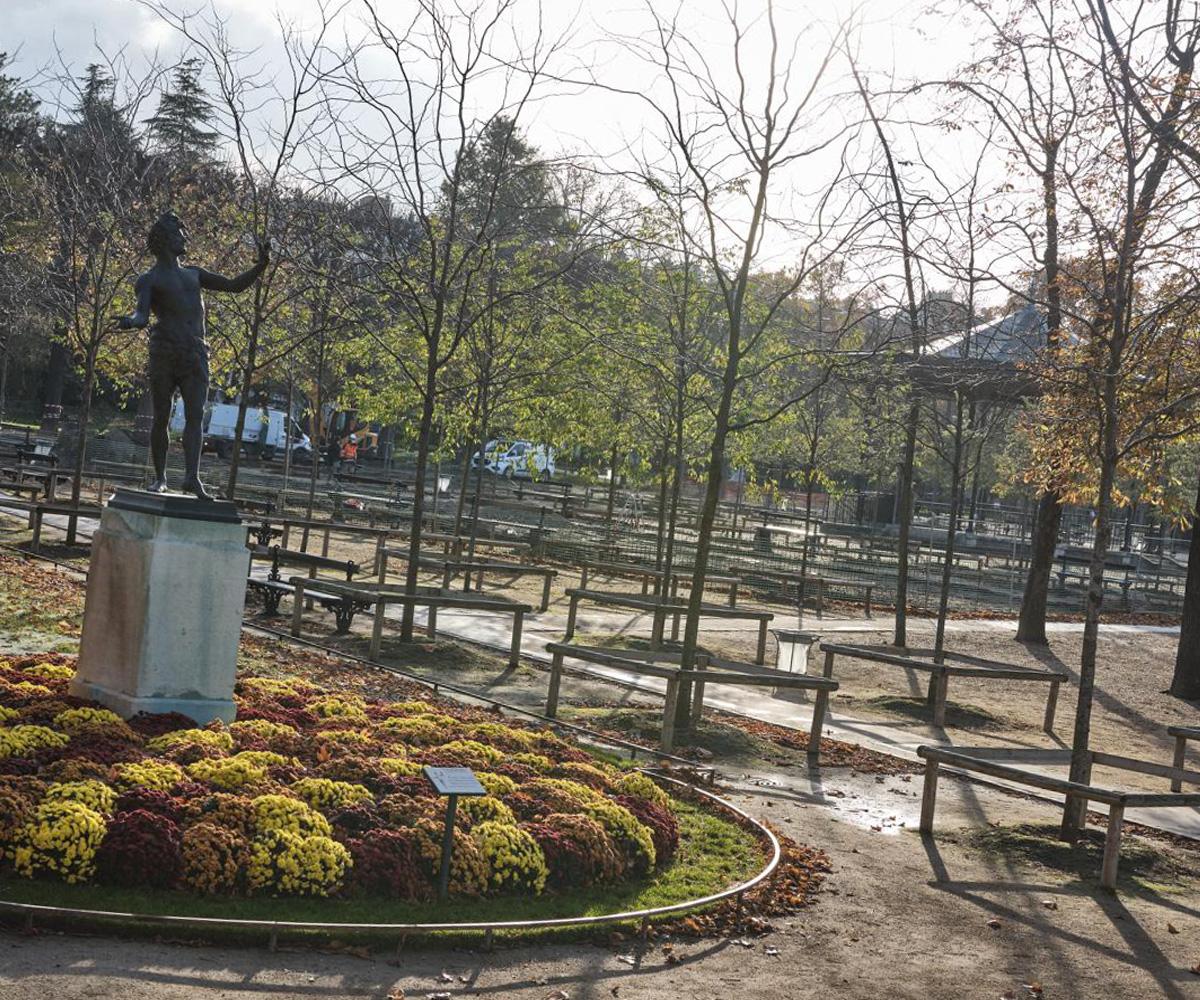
(165, 595)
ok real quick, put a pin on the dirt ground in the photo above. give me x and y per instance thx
(1130, 715)
(900, 917)
(990, 907)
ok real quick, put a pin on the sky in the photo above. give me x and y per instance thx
(895, 40)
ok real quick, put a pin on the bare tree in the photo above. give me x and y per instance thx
(266, 122)
(736, 130)
(406, 141)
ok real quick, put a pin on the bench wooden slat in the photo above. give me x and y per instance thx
(1145, 767)
(968, 762)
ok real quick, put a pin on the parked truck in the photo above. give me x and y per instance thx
(264, 433)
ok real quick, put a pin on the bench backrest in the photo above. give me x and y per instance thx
(290, 557)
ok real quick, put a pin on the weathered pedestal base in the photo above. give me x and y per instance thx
(165, 596)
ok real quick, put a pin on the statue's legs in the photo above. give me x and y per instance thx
(193, 388)
(162, 392)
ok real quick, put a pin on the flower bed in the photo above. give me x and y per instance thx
(308, 793)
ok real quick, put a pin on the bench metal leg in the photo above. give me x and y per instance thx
(514, 655)
(431, 623)
(869, 602)
(572, 610)
(667, 742)
(297, 607)
(1112, 846)
(377, 631)
(761, 656)
(820, 598)
(583, 577)
(1180, 747)
(35, 543)
(827, 670)
(733, 595)
(929, 796)
(271, 599)
(675, 627)
(1051, 708)
(545, 605)
(556, 667)
(343, 616)
(820, 707)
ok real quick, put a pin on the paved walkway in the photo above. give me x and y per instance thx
(897, 738)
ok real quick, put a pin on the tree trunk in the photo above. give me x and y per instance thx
(664, 475)
(1186, 682)
(612, 487)
(677, 477)
(243, 403)
(418, 512)
(1073, 810)
(484, 420)
(939, 641)
(464, 477)
(85, 416)
(905, 514)
(1032, 624)
(708, 515)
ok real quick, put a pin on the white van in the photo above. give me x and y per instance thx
(517, 460)
(263, 434)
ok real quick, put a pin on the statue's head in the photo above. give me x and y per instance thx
(167, 236)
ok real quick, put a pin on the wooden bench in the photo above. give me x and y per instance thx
(658, 664)
(31, 490)
(820, 584)
(1076, 565)
(385, 554)
(380, 596)
(285, 526)
(72, 512)
(1000, 763)
(48, 478)
(273, 588)
(1182, 734)
(940, 674)
(253, 506)
(478, 568)
(646, 574)
(662, 609)
(685, 574)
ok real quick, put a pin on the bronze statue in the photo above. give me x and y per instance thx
(178, 346)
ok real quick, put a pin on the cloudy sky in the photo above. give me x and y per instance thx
(894, 40)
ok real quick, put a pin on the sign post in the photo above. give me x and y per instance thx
(451, 782)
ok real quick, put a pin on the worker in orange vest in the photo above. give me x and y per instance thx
(350, 450)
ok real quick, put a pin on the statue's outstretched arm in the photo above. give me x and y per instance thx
(220, 283)
(142, 315)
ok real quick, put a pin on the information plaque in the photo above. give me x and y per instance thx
(454, 781)
(451, 782)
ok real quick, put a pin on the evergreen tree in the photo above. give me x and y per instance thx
(18, 110)
(178, 127)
